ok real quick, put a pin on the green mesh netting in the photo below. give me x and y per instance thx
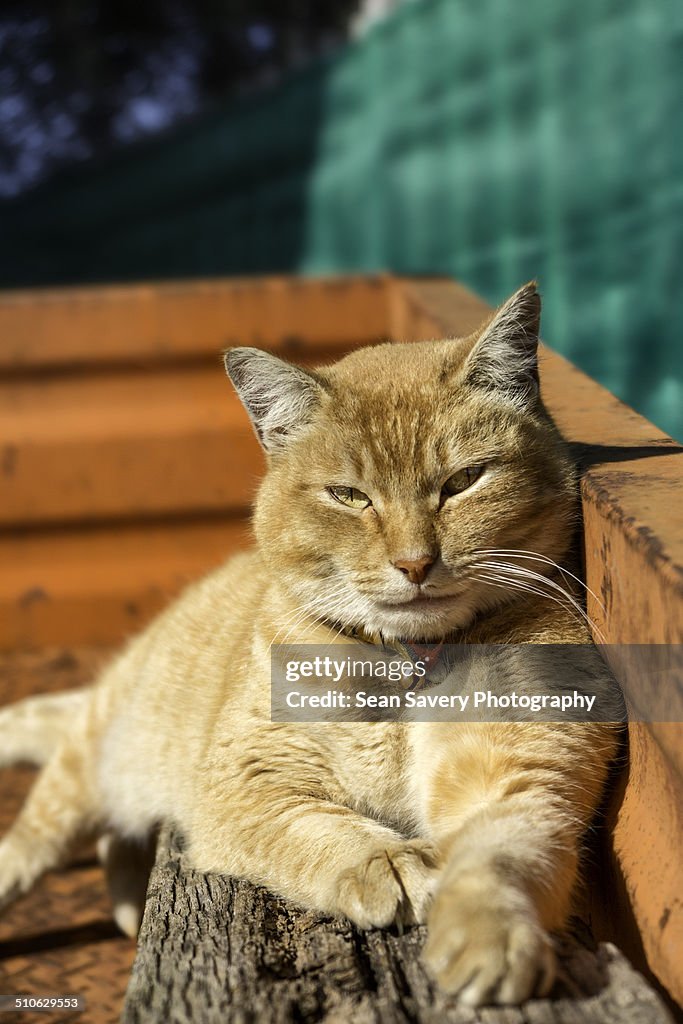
(494, 141)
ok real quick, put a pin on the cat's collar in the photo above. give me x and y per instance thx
(428, 654)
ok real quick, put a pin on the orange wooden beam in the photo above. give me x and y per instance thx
(136, 323)
(97, 586)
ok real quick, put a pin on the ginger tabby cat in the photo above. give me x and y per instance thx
(392, 476)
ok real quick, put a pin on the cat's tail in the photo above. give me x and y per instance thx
(32, 729)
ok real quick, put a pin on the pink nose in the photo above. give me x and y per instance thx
(415, 569)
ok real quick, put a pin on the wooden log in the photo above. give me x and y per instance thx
(219, 950)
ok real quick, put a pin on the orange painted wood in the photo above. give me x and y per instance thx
(98, 586)
(645, 862)
(181, 320)
(107, 418)
(427, 308)
(124, 445)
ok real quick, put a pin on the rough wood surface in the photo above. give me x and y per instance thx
(216, 949)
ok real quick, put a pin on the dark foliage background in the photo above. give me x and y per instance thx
(79, 78)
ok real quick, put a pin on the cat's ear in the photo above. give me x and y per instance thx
(280, 398)
(505, 356)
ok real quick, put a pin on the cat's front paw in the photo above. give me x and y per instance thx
(394, 883)
(488, 948)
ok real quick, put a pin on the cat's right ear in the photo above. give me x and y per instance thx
(505, 356)
(280, 398)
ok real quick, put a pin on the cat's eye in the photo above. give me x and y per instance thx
(461, 480)
(350, 496)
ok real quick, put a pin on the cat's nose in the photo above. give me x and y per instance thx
(415, 569)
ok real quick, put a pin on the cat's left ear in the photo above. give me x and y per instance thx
(505, 357)
(280, 398)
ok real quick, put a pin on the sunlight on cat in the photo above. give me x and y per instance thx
(415, 493)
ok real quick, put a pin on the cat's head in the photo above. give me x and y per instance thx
(393, 472)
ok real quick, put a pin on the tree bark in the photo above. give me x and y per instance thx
(218, 950)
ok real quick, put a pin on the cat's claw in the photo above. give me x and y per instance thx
(393, 885)
(487, 955)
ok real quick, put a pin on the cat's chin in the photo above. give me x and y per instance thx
(425, 620)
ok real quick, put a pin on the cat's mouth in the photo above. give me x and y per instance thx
(422, 600)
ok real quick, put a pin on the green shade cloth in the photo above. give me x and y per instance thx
(494, 142)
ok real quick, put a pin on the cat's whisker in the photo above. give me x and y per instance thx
(517, 583)
(569, 603)
(525, 572)
(521, 572)
(531, 581)
(305, 605)
(338, 633)
(507, 584)
(523, 556)
(311, 608)
(293, 621)
(302, 614)
(538, 557)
